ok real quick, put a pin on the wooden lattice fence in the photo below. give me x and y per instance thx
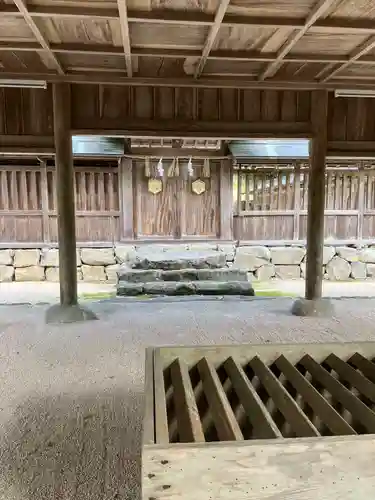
(270, 203)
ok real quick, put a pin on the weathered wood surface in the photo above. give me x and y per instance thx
(267, 353)
(316, 197)
(66, 220)
(28, 204)
(338, 468)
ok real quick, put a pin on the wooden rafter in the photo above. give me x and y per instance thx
(123, 13)
(359, 52)
(319, 9)
(21, 6)
(211, 37)
(218, 55)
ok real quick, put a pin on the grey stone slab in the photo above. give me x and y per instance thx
(359, 270)
(98, 256)
(178, 260)
(6, 273)
(224, 288)
(338, 269)
(169, 288)
(138, 275)
(287, 255)
(288, 272)
(129, 289)
(6, 257)
(226, 274)
(180, 275)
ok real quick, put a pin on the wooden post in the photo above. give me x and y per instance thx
(65, 194)
(361, 201)
(126, 198)
(316, 195)
(312, 304)
(226, 200)
(68, 311)
(45, 201)
(297, 201)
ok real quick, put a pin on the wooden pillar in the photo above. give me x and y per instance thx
(65, 194)
(316, 196)
(226, 200)
(126, 184)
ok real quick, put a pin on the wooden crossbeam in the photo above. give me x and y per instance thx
(105, 78)
(124, 24)
(320, 8)
(214, 30)
(21, 6)
(358, 53)
(218, 55)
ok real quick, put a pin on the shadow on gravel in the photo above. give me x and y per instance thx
(73, 447)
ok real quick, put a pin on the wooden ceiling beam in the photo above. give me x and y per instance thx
(318, 11)
(189, 82)
(158, 16)
(216, 55)
(211, 37)
(21, 6)
(124, 25)
(358, 53)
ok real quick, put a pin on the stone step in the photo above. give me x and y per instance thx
(173, 260)
(146, 275)
(126, 288)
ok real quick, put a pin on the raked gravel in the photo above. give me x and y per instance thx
(71, 396)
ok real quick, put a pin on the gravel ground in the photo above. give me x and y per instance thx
(71, 396)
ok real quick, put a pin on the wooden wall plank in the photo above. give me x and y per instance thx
(320, 406)
(149, 407)
(355, 406)
(161, 420)
(282, 399)
(189, 422)
(224, 419)
(257, 413)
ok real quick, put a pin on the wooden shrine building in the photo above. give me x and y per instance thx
(187, 70)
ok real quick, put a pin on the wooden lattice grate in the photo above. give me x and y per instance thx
(256, 399)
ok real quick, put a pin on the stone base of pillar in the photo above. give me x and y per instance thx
(318, 307)
(60, 314)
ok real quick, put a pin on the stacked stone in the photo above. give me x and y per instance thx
(93, 265)
(289, 262)
(261, 262)
(167, 271)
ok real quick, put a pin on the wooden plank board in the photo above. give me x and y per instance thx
(189, 423)
(257, 413)
(161, 420)
(222, 414)
(349, 374)
(285, 403)
(267, 353)
(366, 366)
(338, 468)
(314, 399)
(148, 416)
(349, 401)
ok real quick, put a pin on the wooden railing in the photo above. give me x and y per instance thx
(271, 203)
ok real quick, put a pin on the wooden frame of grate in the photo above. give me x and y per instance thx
(260, 421)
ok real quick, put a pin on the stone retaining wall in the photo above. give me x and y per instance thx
(261, 262)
